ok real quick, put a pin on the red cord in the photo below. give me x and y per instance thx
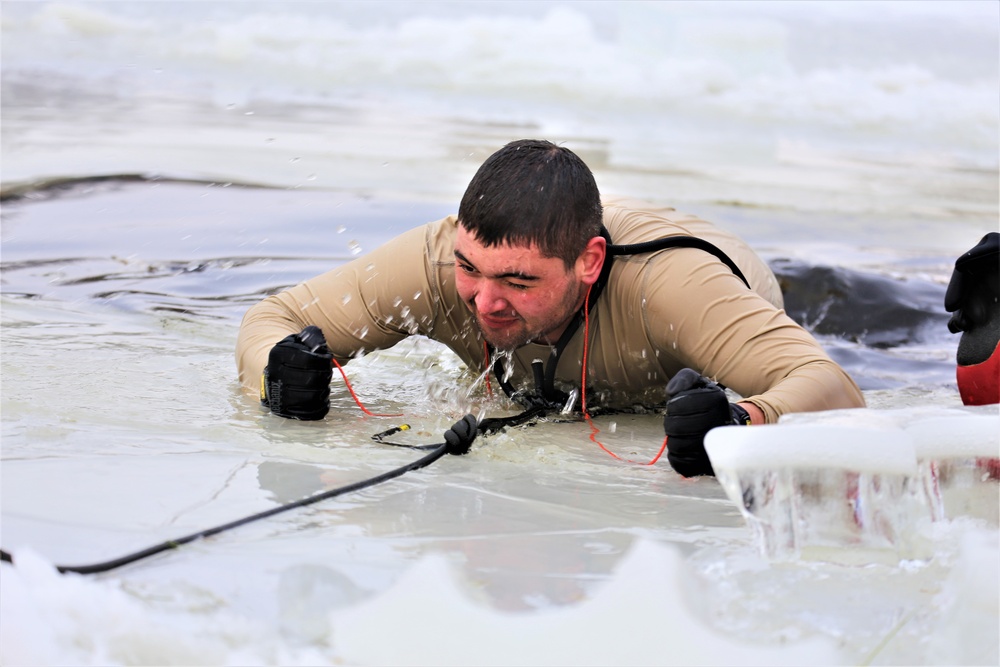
(355, 396)
(583, 394)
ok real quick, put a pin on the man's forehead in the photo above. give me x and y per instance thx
(466, 239)
(504, 258)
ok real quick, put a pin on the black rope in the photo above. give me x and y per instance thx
(458, 439)
(494, 424)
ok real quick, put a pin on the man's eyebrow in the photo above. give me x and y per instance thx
(463, 258)
(517, 275)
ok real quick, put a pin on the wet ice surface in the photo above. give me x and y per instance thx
(123, 426)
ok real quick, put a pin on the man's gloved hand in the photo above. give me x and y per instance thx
(973, 298)
(296, 381)
(695, 405)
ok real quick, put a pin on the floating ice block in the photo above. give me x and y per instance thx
(822, 491)
(887, 450)
(958, 436)
(959, 462)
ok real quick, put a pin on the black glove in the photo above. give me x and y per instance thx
(972, 299)
(296, 381)
(695, 405)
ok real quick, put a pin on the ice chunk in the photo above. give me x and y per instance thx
(823, 491)
(959, 465)
(883, 450)
(957, 436)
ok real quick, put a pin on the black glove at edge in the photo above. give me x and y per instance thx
(296, 381)
(972, 299)
(695, 405)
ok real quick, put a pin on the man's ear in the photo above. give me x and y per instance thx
(591, 260)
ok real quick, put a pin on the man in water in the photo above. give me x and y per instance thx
(537, 268)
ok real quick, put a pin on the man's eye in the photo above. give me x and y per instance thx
(466, 268)
(518, 286)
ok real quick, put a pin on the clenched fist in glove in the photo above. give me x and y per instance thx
(296, 381)
(695, 405)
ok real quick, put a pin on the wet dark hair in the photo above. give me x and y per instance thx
(532, 191)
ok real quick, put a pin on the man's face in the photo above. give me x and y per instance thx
(516, 294)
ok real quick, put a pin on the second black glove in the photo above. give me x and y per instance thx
(695, 405)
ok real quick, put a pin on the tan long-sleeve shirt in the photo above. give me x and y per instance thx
(660, 312)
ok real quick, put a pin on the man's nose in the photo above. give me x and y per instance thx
(489, 298)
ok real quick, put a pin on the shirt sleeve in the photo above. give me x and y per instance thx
(368, 304)
(707, 318)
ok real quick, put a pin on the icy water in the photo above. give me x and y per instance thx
(166, 165)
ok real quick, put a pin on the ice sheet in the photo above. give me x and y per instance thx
(888, 451)
(819, 489)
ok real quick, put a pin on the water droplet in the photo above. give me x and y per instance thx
(346, 299)
(396, 302)
(294, 160)
(416, 295)
(370, 267)
(341, 229)
(248, 113)
(354, 247)
(311, 177)
(612, 427)
(570, 401)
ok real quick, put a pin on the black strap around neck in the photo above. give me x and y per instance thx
(679, 242)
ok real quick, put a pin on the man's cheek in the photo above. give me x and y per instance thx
(463, 290)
